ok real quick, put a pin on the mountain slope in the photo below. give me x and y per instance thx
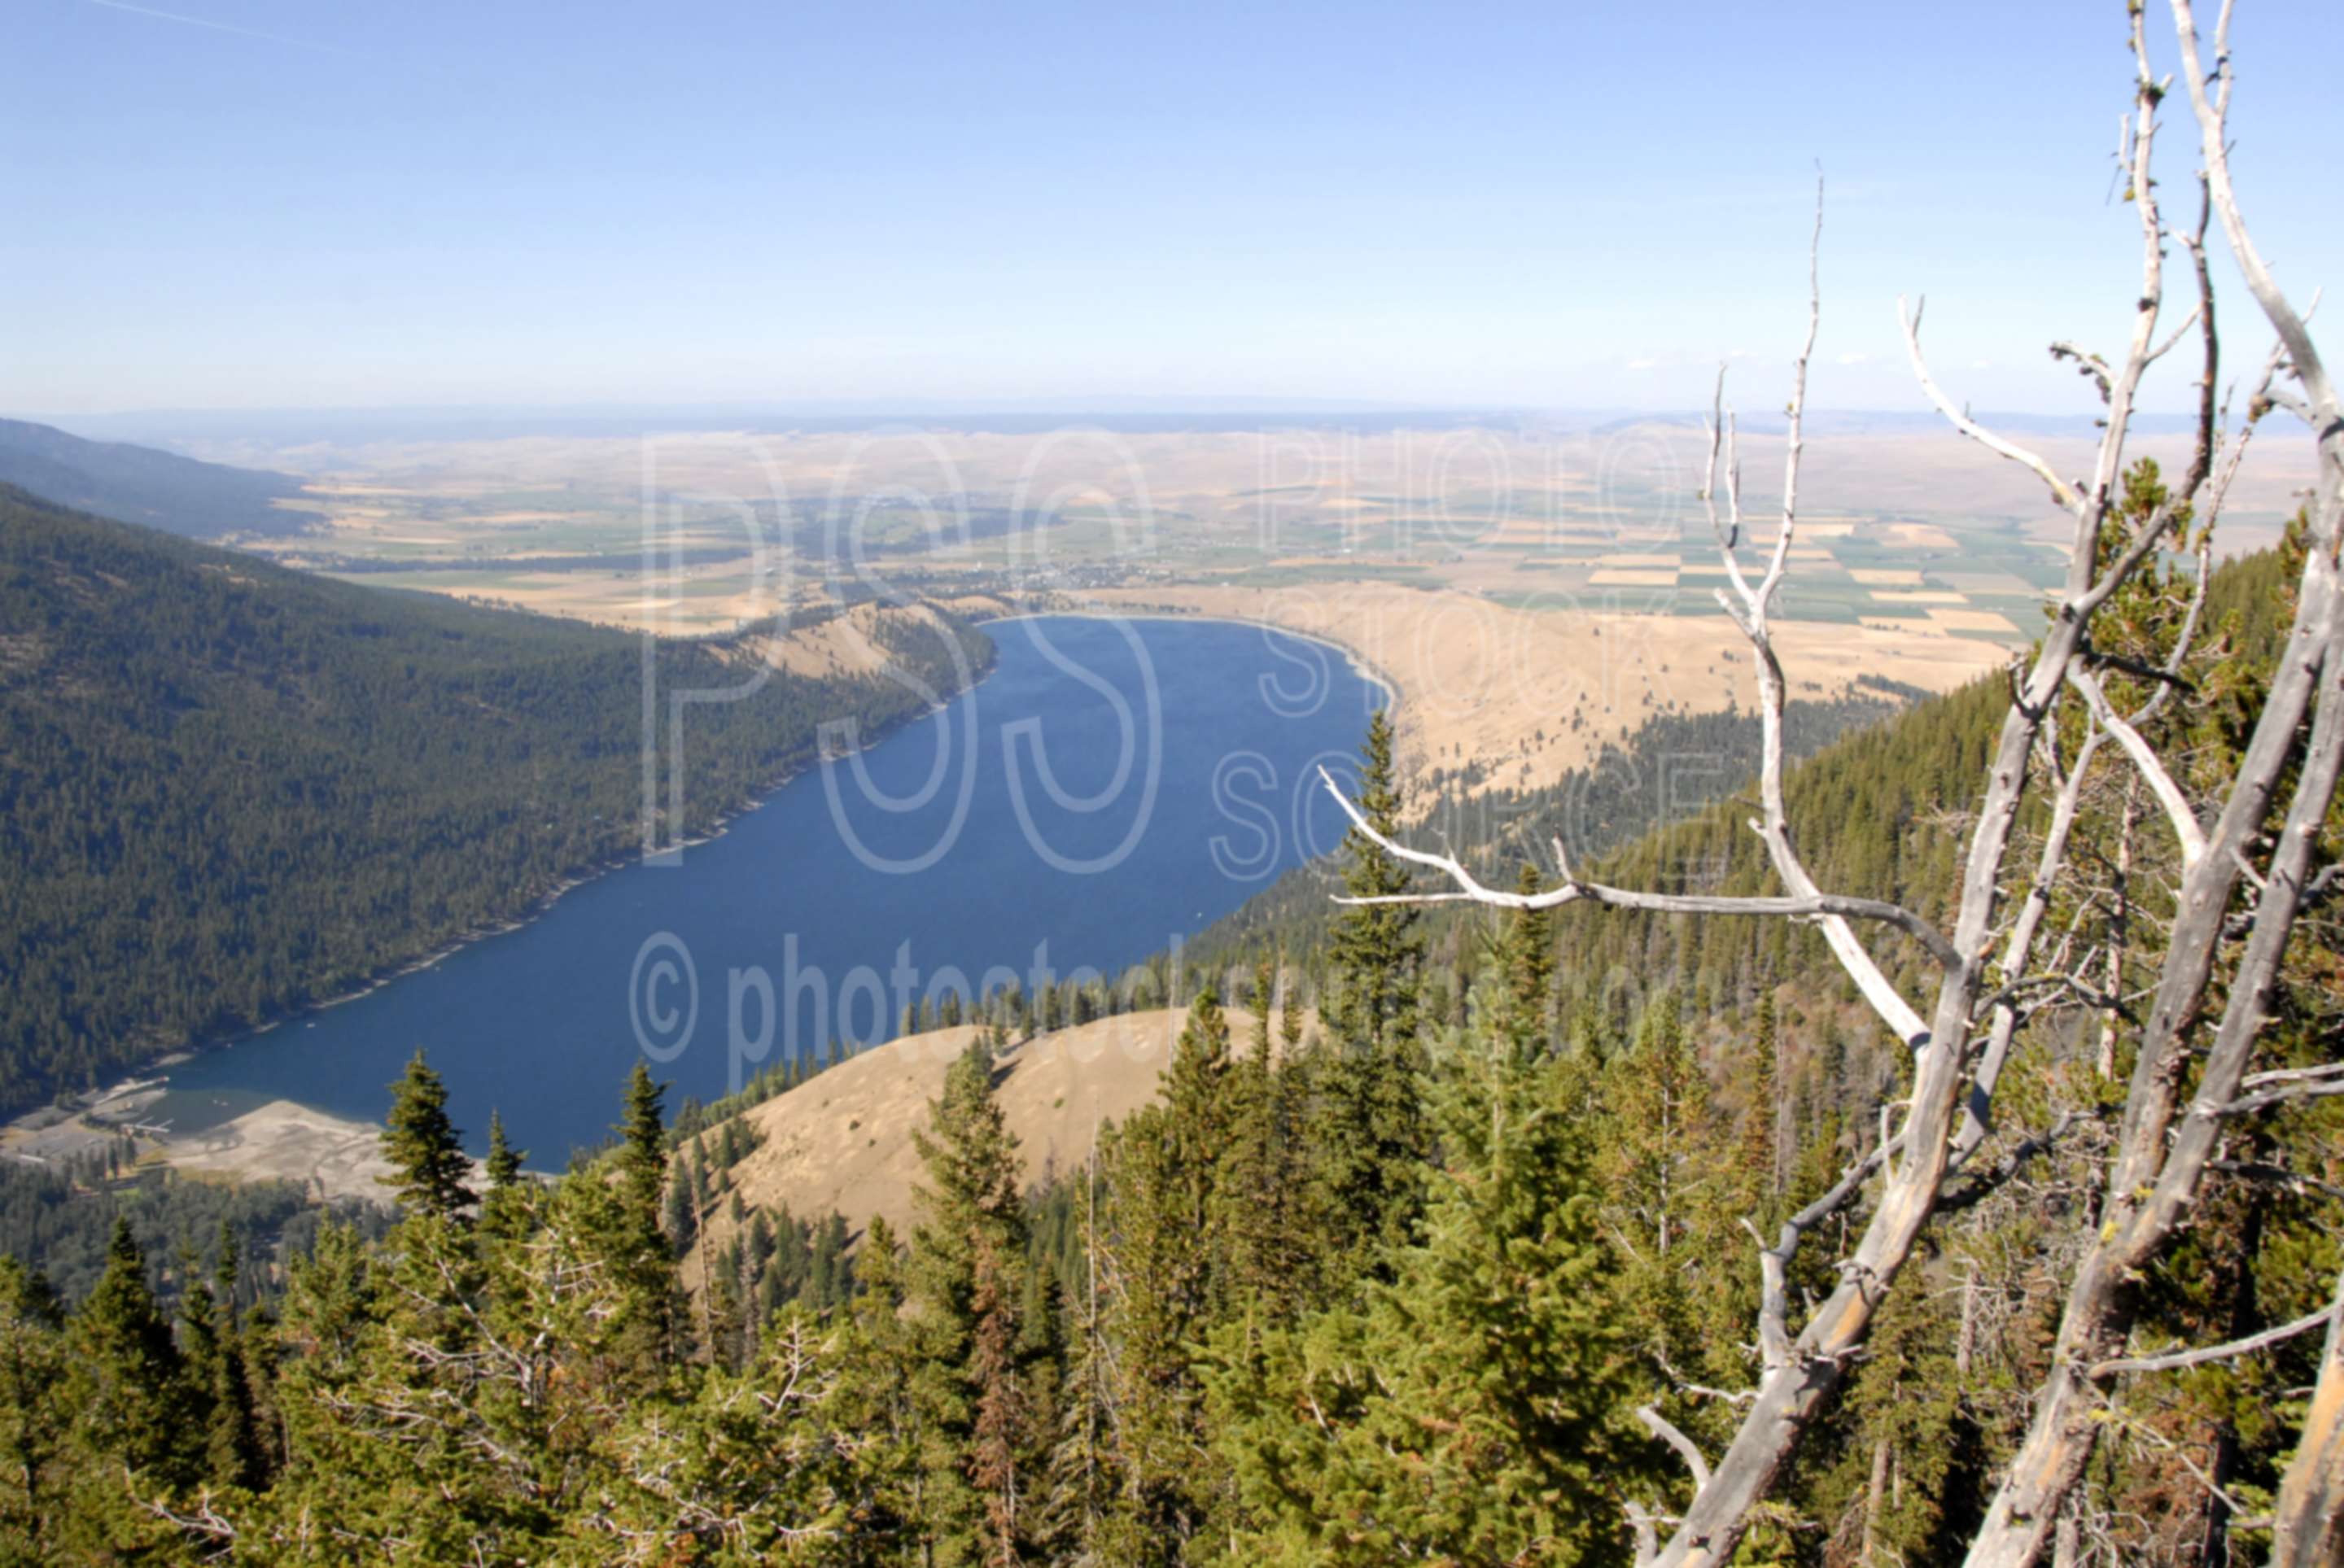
(142, 485)
(228, 790)
(842, 1140)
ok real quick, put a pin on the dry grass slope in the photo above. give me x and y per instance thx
(1482, 682)
(843, 1140)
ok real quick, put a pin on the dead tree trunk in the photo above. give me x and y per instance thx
(2160, 1164)
(2307, 1525)
(1950, 1109)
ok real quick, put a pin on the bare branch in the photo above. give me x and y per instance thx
(2294, 1181)
(1910, 321)
(2247, 1105)
(2177, 812)
(2292, 1075)
(1977, 1111)
(1572, 889)
(1685, 1385)
(1773, 1303)
(2166, 347)
(1648, 1535)
(2156, 1165)
(2087, 364)
(2213, 113)
(1660, 1426)
(2247, 1346)
(1978, 1188)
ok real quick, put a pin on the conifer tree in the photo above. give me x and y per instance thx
(1084, 1470)
(425, 1151)
(651, 1319)
(1660, 1182)
(1264, 984)
(1761, 1158)
(1529, 966)
(1376, 950)
(978, 1446)
(1176, 1171)
(1257, 1213)
(34, 1414)
(199, 1332)
(727, 1326)
(880, 1395)
(829, 1277)
(331, 1316)
(766, 1477)
(1000, 1434)
(137, 1403)
(505, 1210)
(234, 1453)
(502, 1166)
(1905, 1412)
(135, 1423)
(1476, 1408)
(1368, 1133)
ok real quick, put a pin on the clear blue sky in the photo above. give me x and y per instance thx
(289, 204)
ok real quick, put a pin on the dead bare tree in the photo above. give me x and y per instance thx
(2164, 1152)
(2307, 1525)
(1959, 1048)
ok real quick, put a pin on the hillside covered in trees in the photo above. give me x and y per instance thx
(143, 485)
(1669, 766)
(228, 790)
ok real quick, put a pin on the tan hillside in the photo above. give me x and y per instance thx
(842, 1141)
(1531, 694)
(845, 644)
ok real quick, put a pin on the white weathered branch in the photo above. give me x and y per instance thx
(1572, 889)
(2212, 113)
(2248, 1104)
(2307, 1523)
(1977, 1111)
(1773, 1303)
(1648, 1535)
(2175, 1360)
(1909, 320)
(1660, 1426)
(2150, 767)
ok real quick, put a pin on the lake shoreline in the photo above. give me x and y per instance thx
(252, 1145)
(151, 1073)
(1359, 663)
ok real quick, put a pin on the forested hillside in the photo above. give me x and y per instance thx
(1670, 766)
(143, 484)
(228, 790)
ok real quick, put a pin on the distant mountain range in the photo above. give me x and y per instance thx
(353, 426)
(282, 429)
(140, 485)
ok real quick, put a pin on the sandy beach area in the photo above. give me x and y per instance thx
(334, 1158)
(283, 1141)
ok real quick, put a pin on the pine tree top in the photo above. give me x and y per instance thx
(425, 1151)
(503, 1163)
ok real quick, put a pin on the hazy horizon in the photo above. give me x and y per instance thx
(1016, 414)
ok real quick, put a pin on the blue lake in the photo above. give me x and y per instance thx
(1112, 785)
